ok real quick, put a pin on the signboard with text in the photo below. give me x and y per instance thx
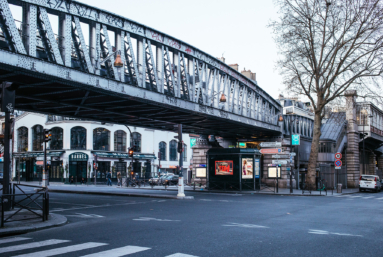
(271, 144)
(295, 140)
(271, 150)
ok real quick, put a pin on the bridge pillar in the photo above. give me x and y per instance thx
(352, 152)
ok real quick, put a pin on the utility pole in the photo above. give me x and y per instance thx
(47, 138)
(181, 190)
(7, 106)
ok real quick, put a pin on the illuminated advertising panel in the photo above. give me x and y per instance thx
(223, 167)
(200, 172)
(247, 168)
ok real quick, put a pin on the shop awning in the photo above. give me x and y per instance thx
(138, 156)
(38, 154)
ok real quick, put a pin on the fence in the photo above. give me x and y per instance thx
(35, 204)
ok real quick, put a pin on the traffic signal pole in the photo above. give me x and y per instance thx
(181, 189)
(45, 181)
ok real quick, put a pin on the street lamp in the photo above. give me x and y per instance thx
(117, 62)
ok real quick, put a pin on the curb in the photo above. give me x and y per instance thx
(60, 221)
(119, 194)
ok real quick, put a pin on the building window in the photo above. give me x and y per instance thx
(22, 139)
(184, 154)
(57, 139)
(78, 138)
(37, 138)
(135, 140)
(101, 138)
(173, 150)
(326, 147)
(162, 150)
(120, 141)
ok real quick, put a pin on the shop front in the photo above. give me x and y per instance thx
(233, 169)
(78, 164)
(29, 165)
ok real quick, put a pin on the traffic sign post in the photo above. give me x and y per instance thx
(271, 144)
(338, 163)
(338, 156)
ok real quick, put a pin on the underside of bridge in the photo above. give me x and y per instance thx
(51, 95)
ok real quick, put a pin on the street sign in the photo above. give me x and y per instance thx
(288, 168)
(338, 163)
(280, 156)
(293, 154)
(338, 156)
(295, 140)
(279, 161)
(271, 144)
(338, 168)
(271, 151)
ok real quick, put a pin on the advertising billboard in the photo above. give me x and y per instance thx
(272, 172)
(247, 168)
(223, 167)
(200, 172)
(256, 168)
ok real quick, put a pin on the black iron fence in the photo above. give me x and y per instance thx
(19, 201)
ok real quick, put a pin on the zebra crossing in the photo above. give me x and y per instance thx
(360, 196)
(60, 247)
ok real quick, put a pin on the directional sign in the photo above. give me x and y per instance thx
(279, 156)
(295, 140)
(338, 156)
(271, 144)
(280, 161)
(271, 150)
(338, 163)
(293, 154)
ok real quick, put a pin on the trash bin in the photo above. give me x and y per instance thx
(339, 188)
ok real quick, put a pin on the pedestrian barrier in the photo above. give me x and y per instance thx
(36, 204)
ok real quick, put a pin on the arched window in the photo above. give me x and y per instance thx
(162, 150)
(78, 138)
(22, 139)
(57, 139)
(173, 150)
(120, 141)
(37, 138)
(135, 140)
(184, 153)
(101, 138)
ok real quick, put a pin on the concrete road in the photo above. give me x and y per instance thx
(210, 225)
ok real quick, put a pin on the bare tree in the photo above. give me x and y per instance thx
(327, 47)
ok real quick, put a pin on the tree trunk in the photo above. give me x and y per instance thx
(311, 172)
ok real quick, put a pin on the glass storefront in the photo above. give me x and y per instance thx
(102, 169)
(56, 171)
(78, 163)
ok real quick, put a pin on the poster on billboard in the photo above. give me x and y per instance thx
(256, 168)
(223, 167)
(247, 168)
(272, 172)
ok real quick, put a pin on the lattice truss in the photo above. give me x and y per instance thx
(146, 63)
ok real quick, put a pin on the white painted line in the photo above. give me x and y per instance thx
(117, 252)
(181, 255)
(152, 219)
(62, 250)
(243, 225)
(318, 232)
(381, 198)
(31, 245)
(14, 239)
(369, 197)
(355, 196)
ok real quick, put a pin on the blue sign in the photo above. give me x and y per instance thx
(295, 140)
(202, 165)
(193, 142)
(1, 159)
(338, 163)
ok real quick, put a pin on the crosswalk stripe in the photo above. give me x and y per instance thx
(62, 250)
(181, 255)
(31, 245)
(14, 239)
(117, 252)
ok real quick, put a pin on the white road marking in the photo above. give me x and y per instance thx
(244, 225)
(62, 250)
(82, 215)
(31, 245)
(99, 206)
(323, 232)
(355, 196)
(152, 219)
(160, 201)
(206, 200)
(117, 252)
(181, 255)
(369, 197)
(381, 198)
(14, 239)
(86, 205)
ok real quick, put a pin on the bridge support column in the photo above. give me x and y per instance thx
(352, 152)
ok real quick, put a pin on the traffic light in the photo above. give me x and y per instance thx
(47, 135)
(130, 152)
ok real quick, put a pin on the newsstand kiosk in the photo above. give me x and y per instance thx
(233, 169)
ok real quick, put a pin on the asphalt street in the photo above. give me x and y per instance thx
(210, 225)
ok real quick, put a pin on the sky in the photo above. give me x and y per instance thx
(236, 30)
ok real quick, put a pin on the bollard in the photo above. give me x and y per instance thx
(339, 188)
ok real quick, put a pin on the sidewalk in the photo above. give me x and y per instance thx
(18, 226)
(170, 192)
